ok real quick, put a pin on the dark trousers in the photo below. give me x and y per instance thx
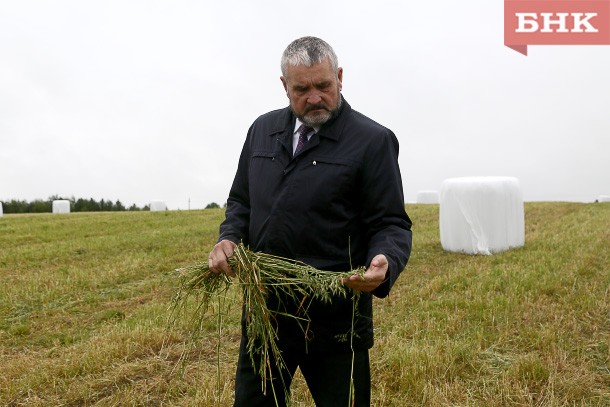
(327, 373)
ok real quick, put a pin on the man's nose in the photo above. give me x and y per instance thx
(314, 99)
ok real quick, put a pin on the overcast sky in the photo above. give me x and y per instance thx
(151, 100)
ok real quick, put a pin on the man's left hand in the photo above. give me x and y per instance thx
(372, 278)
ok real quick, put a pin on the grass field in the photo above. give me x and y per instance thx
(84, 304)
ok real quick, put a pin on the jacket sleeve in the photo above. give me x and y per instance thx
(237, 216)
(388, 225)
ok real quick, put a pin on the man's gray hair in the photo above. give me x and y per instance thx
(308, 51)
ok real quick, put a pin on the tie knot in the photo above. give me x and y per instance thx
(304, 130)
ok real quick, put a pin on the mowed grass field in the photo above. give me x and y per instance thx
(84, 307)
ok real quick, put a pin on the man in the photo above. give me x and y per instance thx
(330, 197)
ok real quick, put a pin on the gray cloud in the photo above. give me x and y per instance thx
(143, 100)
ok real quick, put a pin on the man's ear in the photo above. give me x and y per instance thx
(340, 77)
(284, 83)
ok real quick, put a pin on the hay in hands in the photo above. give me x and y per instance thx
(259, 275)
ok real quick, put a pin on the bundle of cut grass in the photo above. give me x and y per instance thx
(258, 275)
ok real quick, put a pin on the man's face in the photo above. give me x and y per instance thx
(314, 92)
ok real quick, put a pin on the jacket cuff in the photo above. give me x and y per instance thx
(233, 239)
(384, 288)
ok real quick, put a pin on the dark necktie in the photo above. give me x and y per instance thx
(303, 132)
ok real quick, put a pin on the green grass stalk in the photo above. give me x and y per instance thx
(258, 275)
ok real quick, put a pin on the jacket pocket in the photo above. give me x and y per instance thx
(328, 181)
(265, 175)
(263, 154)
(262, 162)
(324, 160)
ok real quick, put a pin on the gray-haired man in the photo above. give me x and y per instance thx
(336, 203)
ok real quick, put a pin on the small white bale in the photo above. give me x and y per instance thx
(601, 198)
(156, 206)
(1, 213)
(427, 197)
(481, 215)
(61, 206)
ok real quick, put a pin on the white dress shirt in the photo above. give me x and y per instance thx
(295, 135)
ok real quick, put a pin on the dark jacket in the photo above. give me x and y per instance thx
(334, 206)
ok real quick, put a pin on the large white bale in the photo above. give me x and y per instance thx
(61, 206)
(481, 215)
(602, 198)
(156, 206)
(427, 197)
(1, 213)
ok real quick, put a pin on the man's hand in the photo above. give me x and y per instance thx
(372, 278)
(218, 258)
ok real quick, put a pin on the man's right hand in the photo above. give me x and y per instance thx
(218, 258)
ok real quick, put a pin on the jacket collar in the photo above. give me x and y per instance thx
(333, 128)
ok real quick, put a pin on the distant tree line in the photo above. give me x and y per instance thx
(214, 205)
(76, 205)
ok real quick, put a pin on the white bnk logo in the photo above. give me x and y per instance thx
(528, 22)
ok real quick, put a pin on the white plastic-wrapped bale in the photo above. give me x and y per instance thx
(156, 206)
(603, 198)
(1, 213)
(61, 206)
(481, 215)
(427, 197)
